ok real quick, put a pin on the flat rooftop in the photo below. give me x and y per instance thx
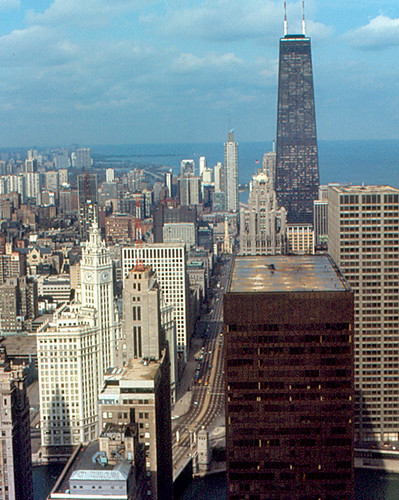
(20, 345)
(83, 462)
(136, 370)
(286, 273)
(365, 189)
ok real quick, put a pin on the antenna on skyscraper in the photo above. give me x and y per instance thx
(285, 19)
(303, 18)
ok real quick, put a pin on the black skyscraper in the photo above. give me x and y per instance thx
(297, 169)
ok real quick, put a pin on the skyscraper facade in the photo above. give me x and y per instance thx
(262, 224)
(88, 200)
(169, 260)
(289, 380)
(97, 290)
(15, 446)
(297, 169)
(231, 173)
(70, 375)
(363, 238)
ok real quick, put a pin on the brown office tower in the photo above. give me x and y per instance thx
(15, 448)
(289, 380)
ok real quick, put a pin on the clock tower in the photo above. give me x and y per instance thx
(97, 291)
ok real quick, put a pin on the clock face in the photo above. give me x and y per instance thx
(89, 276)
(105, 276)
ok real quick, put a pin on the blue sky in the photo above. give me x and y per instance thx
(148, 71)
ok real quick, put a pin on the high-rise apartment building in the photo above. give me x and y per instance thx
(262, 224)
(169, 262)
(109, 175)
(288, 324)
(32, 184)
(363, 238)
(63, 176)
(83, 158)
(15, 446)
(231, 173)
(297, 169)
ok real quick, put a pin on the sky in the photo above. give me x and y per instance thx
(180, 71)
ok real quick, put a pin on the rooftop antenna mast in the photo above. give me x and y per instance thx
(303, 18)
(285, 20)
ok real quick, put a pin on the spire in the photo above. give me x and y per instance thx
(285, 20)
(303, 18)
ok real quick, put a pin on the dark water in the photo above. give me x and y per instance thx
(371, 162)
(369, 485)
(44, 478)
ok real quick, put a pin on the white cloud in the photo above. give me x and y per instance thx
(83, 12)
(187, 63)
(380, 33)
(219, 19)
(10, 4)
(228, 20)
(34, 47)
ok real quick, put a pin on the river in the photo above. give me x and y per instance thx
(369, 485)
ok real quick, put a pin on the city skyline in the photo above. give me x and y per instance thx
(201, 70)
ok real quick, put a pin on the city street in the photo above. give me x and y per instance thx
(207, 398)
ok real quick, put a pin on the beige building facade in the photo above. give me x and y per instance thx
(363, 239)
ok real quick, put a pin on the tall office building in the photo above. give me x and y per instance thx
(189, 190)
(169, 183)
(320, 221)
(202, 165)
(97, 290)
(147, 322)
(218, 175)
(269, 165)
(70, 375)
(231, 173)
(363, 238)
(15, 448)
(300, 238)
(262, 223)
(88, 202)
(75, 349)
(169, 260)
(297, 168)
(187, 167)
(289, 380)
